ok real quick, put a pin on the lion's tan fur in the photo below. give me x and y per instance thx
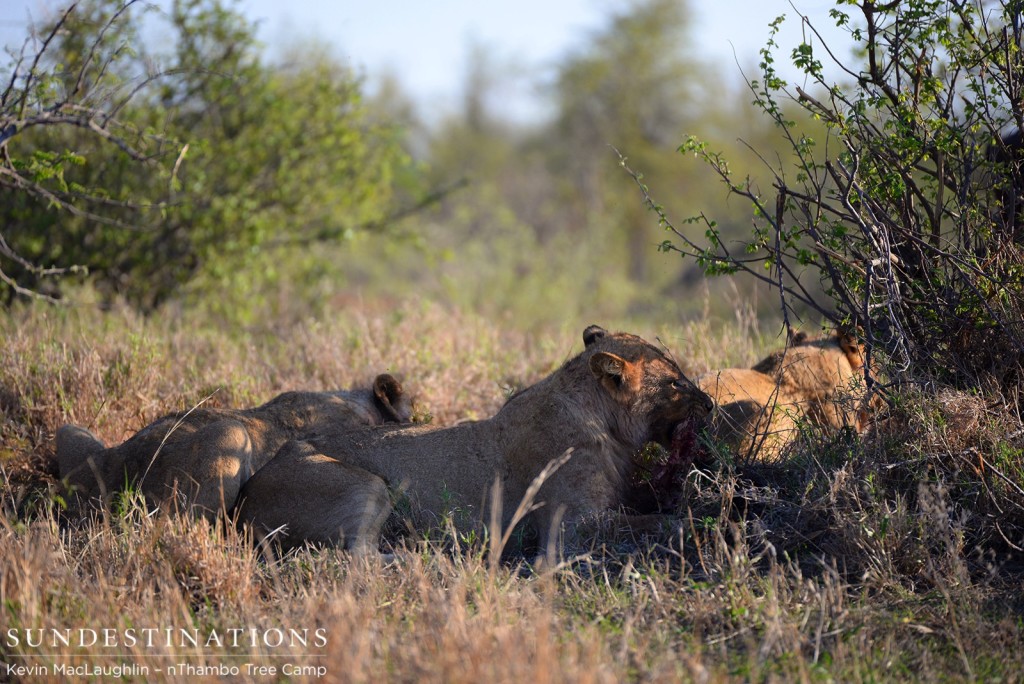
(600, 407)
(817, 381)
(200, 458)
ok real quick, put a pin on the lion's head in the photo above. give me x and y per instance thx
(647, 383)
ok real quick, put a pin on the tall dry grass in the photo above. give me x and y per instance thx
(892, 558)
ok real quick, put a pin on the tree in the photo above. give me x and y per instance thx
(208, 155)
(549, 216)
(908, 211)
(632, 88)
(81, 99)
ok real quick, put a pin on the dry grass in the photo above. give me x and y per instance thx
(893, 558)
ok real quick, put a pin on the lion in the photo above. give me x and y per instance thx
(818, 381)
(200, 458)
(580, 426)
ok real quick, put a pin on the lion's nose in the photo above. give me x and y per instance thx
(706, 402)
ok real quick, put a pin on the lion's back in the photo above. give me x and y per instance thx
(741, 384)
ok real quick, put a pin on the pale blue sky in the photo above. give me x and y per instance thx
(425, 43)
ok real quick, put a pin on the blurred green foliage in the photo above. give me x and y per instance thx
(264, 190)
(229, 156)
(550, 228)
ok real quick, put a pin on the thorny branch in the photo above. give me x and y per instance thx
(21, 111)
(915, 228)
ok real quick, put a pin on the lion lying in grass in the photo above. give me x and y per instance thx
(201, 458)
(814, 380)
(596, 411)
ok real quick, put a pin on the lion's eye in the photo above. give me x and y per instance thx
(679, 385)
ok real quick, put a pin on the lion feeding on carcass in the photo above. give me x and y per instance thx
(596, 411)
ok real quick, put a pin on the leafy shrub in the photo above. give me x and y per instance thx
(151, 169)
(907, 216)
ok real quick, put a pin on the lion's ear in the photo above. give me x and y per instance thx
(592, 334)
(853, 349)
(797, 338)
(614, 372)
(387, 394)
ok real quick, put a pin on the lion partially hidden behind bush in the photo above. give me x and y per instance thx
(596, 411)
(200, 458)
(814, 380)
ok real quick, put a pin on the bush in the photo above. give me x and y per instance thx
(907, 215)
(152, 169)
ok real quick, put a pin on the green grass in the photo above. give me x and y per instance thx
(891, 558)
